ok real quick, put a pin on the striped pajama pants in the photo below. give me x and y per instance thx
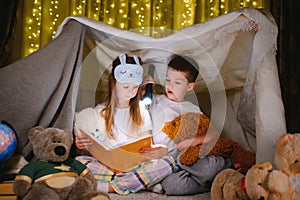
(135, 179)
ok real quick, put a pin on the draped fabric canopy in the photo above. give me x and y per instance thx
(237, 87)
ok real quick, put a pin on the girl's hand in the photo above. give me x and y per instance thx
(82, 142)
(154, 152)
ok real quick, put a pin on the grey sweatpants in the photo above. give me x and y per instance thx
(196, 178)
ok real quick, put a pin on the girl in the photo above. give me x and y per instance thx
(121, 114)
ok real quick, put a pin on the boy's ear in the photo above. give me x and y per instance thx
(191, 86)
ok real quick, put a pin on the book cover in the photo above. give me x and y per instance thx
(118, 158)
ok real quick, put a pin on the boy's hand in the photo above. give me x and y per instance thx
(148, 79)
(190, 142)
(82, 142)
(154, 152)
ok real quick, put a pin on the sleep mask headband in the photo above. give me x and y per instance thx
(129, 73)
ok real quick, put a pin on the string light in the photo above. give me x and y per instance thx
(78, 7)
(42, 18)
(32, 27)
(54, 14)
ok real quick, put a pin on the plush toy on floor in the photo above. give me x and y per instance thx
(262, 181)
(256, 184)
(287, 159)
(190, 125)
(228, 185)
(54, 175)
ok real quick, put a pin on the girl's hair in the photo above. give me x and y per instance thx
(185, 64)
(108, 111)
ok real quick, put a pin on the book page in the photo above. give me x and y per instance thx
(122, 157)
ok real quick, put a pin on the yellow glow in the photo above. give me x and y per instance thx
(42, 17)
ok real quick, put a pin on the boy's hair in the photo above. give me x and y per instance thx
(185, 64)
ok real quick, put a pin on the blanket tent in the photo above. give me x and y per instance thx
(238, 85)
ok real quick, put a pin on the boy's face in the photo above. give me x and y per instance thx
(177, 85)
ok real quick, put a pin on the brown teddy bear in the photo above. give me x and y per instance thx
(264, 182)
(54, 175)
(231, 184)
(287, 159)
(260, 182)
(228, 184)
(190, 125)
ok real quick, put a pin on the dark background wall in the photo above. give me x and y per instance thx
(285, 12)
(287, 17)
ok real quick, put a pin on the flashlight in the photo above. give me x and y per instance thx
(147, 98)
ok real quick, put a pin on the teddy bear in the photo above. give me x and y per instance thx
(190, 125)
(260, 182)
(54, 175)
(263, 181)
(287, 159)
(228, 185)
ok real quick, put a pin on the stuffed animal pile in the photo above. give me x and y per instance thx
(54, 175)
(191, 125)
(262, 181)
(287, 159)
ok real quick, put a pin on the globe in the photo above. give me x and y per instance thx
(8, 141)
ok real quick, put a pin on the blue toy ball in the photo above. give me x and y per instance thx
(8, 141)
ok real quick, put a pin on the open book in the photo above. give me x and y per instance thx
(119, 158)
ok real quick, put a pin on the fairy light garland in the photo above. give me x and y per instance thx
(32, 28)
(140, 16)
(94, 9)
(51, 13)
(161, 13)
(148, 17)
(54, 14)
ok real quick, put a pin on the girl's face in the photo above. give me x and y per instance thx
(125, 92)
(176, 85)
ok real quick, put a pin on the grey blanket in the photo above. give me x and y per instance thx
(40, 89)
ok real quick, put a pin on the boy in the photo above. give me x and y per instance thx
(180, 78)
